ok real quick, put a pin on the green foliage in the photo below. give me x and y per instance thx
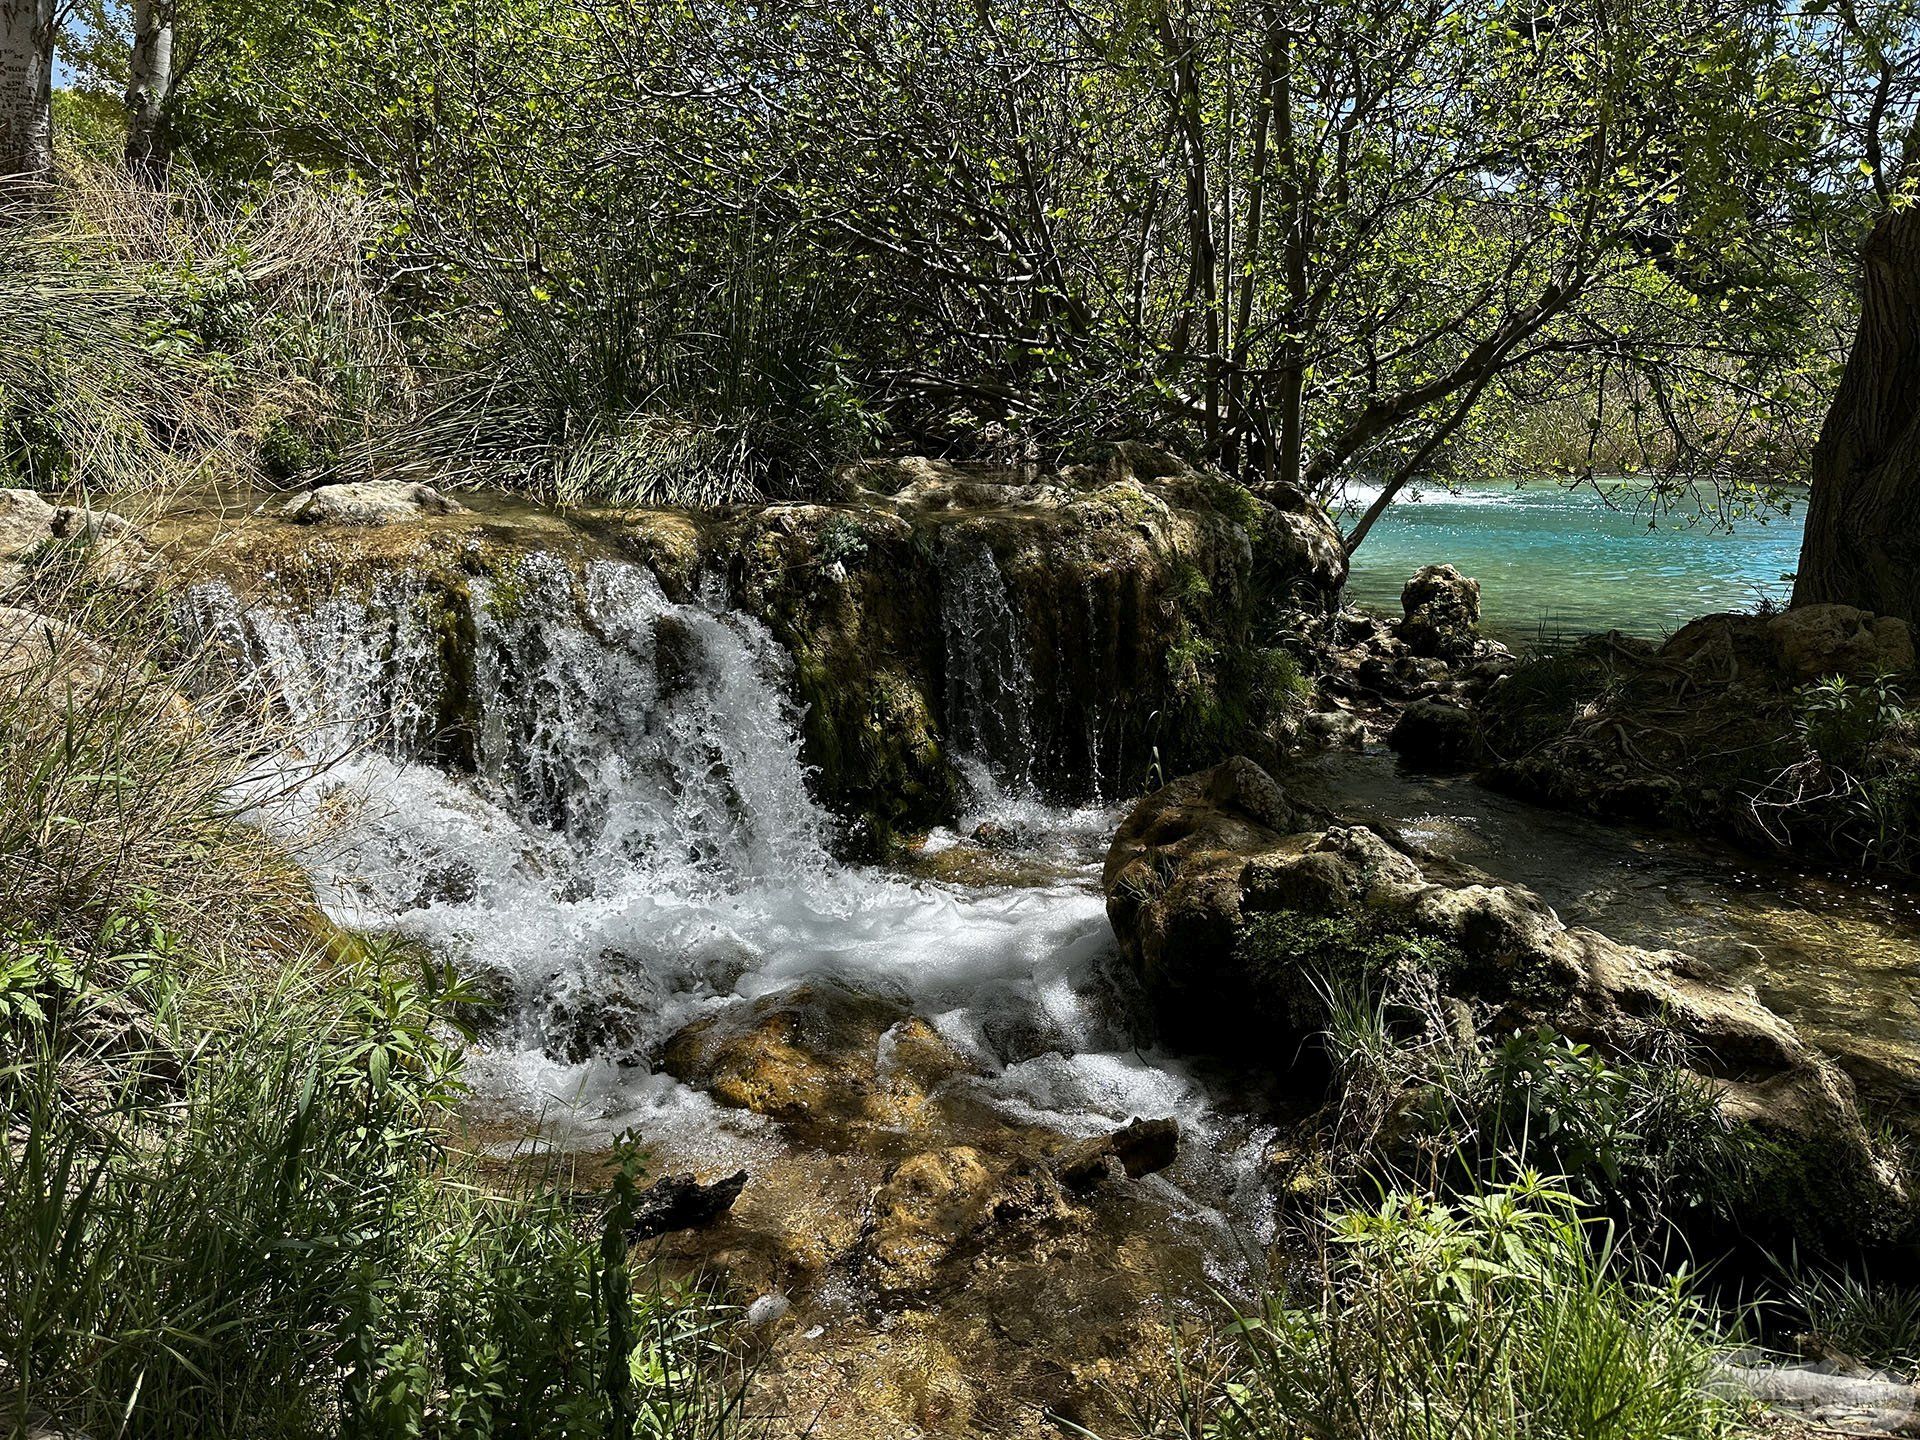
(1856, 779)
(640, 277)
(1344, 951)
(1504, 1314)
(254, 1227)
(1871, 1320)
(1641, 1141)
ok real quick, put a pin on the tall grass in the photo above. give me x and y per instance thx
(150, 337)
(1505, 1315)
(256, 1229)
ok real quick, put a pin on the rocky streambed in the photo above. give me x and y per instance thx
(806, 840)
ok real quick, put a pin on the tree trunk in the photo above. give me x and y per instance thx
(149, 81)
(1862, 544)
(26, 91)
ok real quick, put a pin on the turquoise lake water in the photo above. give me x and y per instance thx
(1554, 562)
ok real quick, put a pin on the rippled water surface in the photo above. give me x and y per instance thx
(1553, 561)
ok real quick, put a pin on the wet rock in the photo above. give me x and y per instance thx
(682, 1202)
(1140, 1147)
(370, 502)
(820, 1053)
(607, 1015)
(929, 1204)
(1441, 607)
(1231, 922)
(1436, 733)
(996, 835)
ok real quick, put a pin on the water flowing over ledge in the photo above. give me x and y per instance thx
(623, 844)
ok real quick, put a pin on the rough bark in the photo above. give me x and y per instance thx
(26, 91)
(149, 82)
(1862, 544)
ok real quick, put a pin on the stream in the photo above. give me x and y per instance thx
(630, 854)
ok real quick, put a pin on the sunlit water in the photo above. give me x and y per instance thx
(636, 844)
(1554, 562)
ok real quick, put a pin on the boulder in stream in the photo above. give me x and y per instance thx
(370, 502)
(1242, 916)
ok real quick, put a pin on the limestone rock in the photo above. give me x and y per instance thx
(1193, 877)
(1140, 1147)
(50, 655)
(1441, 606)
(821, 1052)
(370, 502)
(26, 523)
(95, 546)
(1816, 640)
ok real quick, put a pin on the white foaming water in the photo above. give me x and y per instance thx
(619, 833)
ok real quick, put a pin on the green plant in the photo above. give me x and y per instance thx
(1504, 1315)
(1868, 1319)
(254, 1226)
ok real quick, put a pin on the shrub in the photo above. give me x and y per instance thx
(1505, 1315)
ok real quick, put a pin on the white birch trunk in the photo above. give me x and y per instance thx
(149, 81)
(26, 90)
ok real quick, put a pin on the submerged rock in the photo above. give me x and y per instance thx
(821, 1053)
(929, 1204)
(1239, 925)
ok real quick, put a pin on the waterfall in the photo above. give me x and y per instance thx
(989, 676)
(591, 798)
(624, 840)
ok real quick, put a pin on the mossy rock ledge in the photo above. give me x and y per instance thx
(1232, 903)
(1072, 628)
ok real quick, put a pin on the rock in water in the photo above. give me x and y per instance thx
(1441, 608)
(370, 502)
(1232, 921)
(1140, 1147)
(680, 1202)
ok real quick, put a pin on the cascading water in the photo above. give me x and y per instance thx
(989, 678)
(621, 836)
